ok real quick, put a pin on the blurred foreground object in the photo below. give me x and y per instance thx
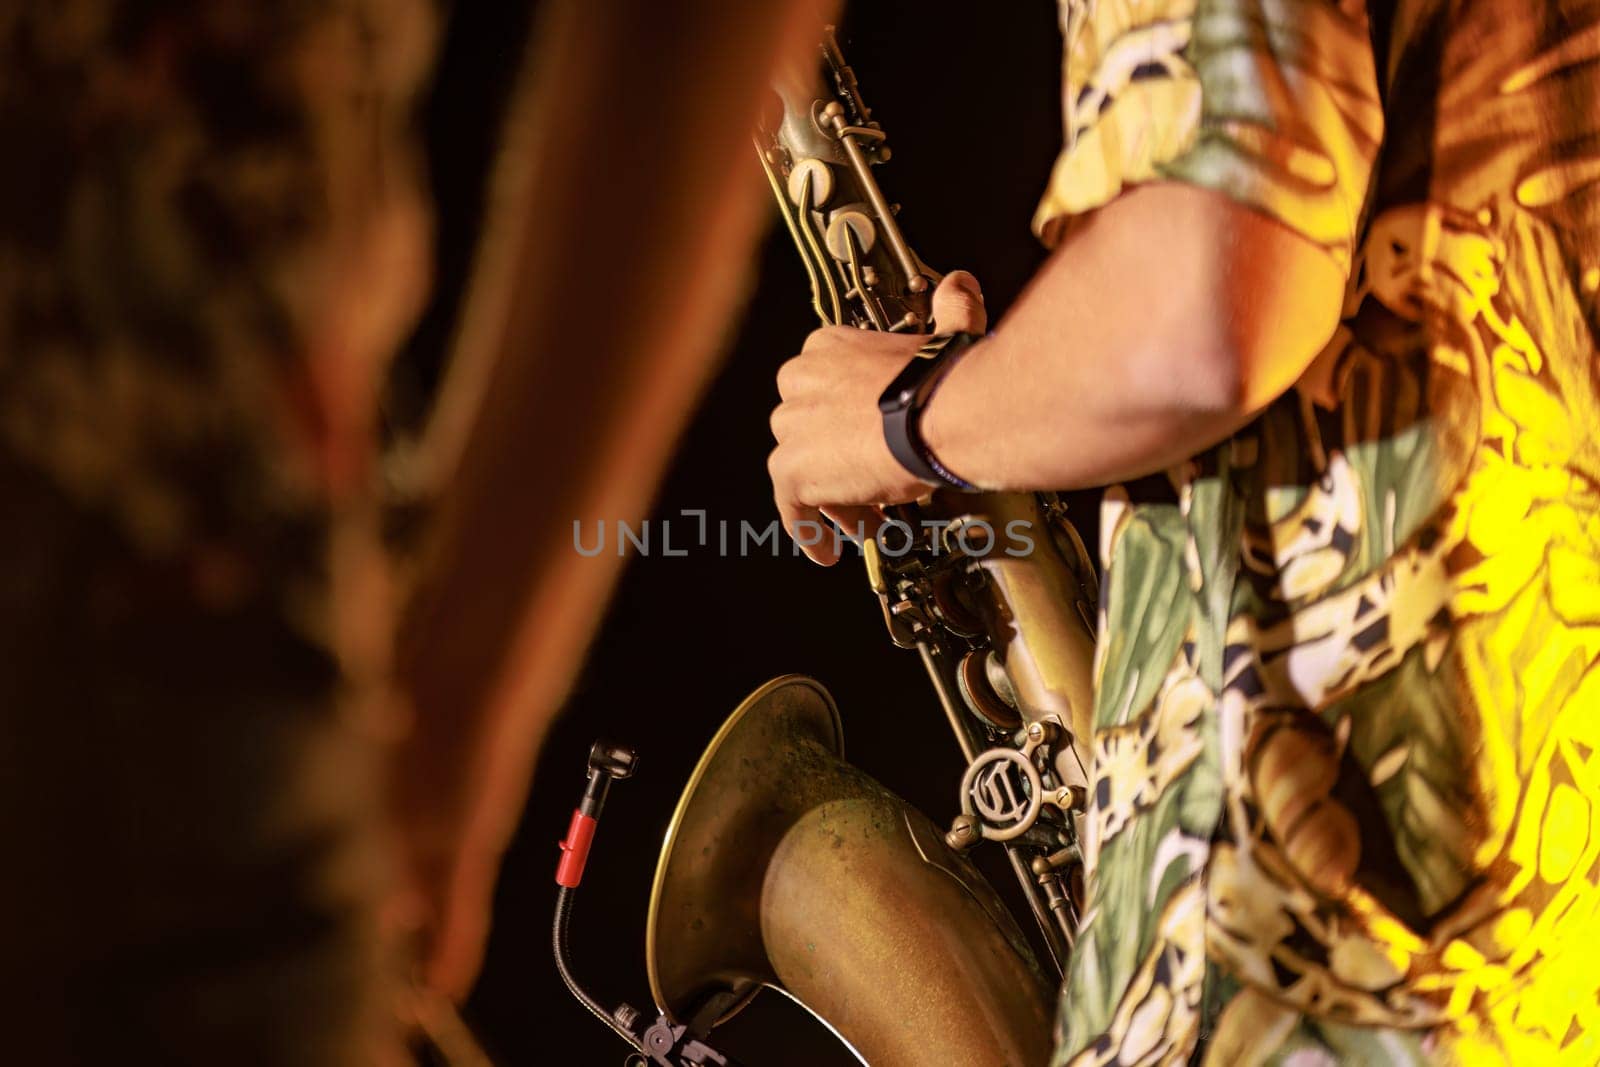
(211, 237)
(211, 244)
(623, 221)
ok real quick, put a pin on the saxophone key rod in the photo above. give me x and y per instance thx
(1055, 939)
(916, 281)
(834, 115)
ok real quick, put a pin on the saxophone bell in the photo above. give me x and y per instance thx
(786, 867)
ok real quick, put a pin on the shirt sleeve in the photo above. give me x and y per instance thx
(1273, 103)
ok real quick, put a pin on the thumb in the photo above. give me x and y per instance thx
(958, 304)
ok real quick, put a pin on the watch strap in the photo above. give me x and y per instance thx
(903, 402)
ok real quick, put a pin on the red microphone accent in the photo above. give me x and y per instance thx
(575, 850)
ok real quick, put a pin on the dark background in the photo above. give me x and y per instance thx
(969, 95)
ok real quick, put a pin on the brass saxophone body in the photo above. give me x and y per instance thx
(787, 867)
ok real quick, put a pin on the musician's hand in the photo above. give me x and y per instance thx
(831, 456)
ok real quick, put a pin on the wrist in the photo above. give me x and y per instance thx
(904, 402)
(942, 421)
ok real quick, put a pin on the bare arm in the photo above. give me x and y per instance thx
(1157, 329)
(1167, 320)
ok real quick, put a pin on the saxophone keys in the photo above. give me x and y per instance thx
(954, 606)
(845, 223)
(906, 621)
(974, 678)
(820, 177)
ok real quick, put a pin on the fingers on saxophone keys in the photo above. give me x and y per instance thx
(857, 522)
(803, 522)
(812, 533)
(820, 338)
(781, 421)
(789, 376)
(958, 304)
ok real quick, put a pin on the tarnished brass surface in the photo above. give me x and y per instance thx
(1038, 602)
(817, 153)
(785, 866)
(1037, 611)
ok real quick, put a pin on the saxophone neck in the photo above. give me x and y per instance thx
(819, 150)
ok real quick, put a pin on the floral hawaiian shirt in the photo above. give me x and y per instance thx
(1346, 803)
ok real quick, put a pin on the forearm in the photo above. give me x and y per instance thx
(1157, 329)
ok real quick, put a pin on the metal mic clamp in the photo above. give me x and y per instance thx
(662, 1043)
(607, 763)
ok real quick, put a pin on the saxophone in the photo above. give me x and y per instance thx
(786, 867)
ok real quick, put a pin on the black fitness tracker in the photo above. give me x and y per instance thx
(902, 403)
